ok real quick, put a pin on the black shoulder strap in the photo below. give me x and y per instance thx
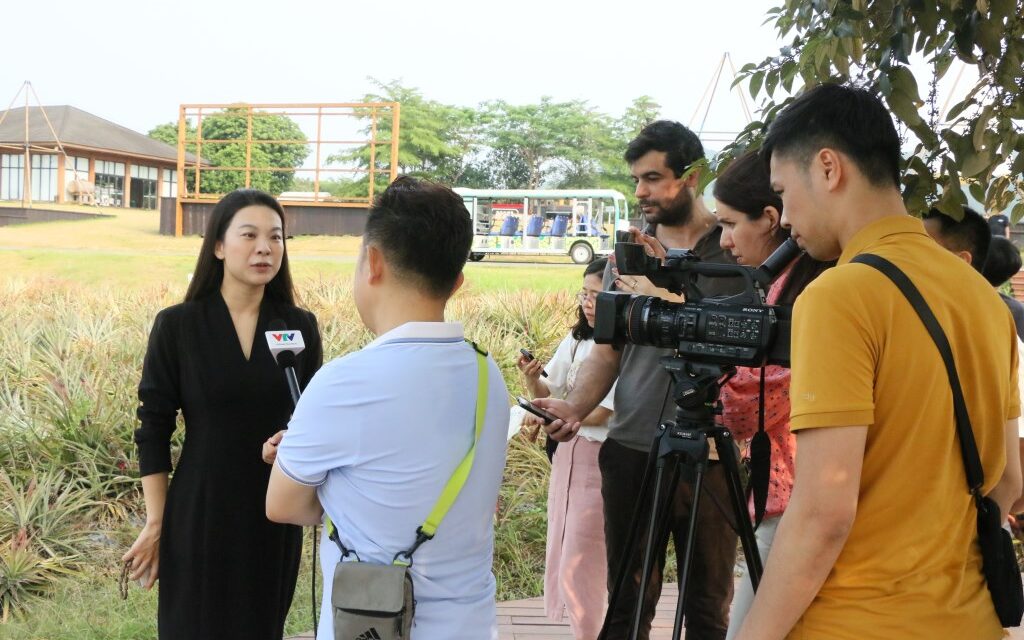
(968, 448)
(760, 461)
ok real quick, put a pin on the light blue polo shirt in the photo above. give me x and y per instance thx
(379, 433)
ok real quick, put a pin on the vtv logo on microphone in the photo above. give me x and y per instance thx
(280, 341)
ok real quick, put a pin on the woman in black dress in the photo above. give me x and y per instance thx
(225, 571)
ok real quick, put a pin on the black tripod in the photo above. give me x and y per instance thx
(684, 443)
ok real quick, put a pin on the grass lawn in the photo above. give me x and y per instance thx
(127, 250)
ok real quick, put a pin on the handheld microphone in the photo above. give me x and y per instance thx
(284, 345)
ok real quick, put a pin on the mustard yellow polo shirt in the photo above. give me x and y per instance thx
(861, 356)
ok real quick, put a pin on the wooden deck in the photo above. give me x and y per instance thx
(525, 620)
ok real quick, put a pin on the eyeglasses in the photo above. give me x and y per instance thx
(584, 295)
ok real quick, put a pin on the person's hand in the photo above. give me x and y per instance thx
(144, 556)
(270, 447)
(1016, 526)
(640, 285)
(532, 424)
(569, 422)
(652, 246)
(530, 368)
(634, 284)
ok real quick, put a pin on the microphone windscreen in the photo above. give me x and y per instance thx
(286, 359)
(277, 324)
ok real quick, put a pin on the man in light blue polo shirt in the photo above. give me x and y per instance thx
(379, 432)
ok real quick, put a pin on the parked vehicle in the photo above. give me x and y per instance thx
(579, 223)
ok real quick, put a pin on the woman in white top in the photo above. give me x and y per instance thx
(575, 574)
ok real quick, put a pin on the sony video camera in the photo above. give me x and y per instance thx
(738, 330)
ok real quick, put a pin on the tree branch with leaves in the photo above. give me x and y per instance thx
(979, 142)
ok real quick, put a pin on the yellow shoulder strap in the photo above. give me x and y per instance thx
(455, 483)
(458, 479)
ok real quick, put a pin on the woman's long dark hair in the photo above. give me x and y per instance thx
(746, 187)
(582, 329)
(209, 272)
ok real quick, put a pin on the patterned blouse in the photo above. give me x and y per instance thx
(740, 414)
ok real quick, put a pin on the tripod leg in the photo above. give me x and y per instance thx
(727, 456)
(691, 536)
(649, 550)
(627, 555)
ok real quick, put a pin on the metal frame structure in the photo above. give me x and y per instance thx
(372, 110)
(28, 148)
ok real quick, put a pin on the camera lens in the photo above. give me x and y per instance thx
(658, 323)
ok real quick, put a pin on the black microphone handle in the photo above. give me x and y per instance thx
(286, 360)
(293, 384)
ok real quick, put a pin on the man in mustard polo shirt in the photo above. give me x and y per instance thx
(879, 539)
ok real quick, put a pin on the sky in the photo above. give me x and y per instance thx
(135, 62)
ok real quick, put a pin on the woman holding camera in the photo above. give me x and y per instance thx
(225, 571)
(575, 572)
(757, 400)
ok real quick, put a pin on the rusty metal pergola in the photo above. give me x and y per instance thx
(372, 111)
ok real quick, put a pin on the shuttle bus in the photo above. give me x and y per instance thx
(579, 223)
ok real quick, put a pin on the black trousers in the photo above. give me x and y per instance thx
(711, 574)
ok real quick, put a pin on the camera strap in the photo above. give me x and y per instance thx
(451, 489)
(760, 461)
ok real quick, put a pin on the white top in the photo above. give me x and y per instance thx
(562, 371)
(379, 433)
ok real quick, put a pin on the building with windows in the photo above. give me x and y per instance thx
(113, 165)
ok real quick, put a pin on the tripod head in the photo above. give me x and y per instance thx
(696, 387)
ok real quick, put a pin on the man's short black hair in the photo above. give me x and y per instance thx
(1003, 261)
(970, 234)
(850, 120)
(424, 231)
(681, 146)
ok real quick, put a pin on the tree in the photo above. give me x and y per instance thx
(232, 124)
(168, 132)
(642, 112)
(548, 142)
(433, 138)
(871, 42)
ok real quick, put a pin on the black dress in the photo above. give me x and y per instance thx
(225, 570)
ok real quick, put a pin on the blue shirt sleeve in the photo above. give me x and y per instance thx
(324, 432)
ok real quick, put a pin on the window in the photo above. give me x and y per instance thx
(144, 173)
(12, 176)
(44, 177)
(73, 165)
(143, 191)
(110, 183)
(169, 188)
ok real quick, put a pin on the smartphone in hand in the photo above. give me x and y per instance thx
(529, 358)
(548, 418)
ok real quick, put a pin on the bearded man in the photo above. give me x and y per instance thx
(664, 160)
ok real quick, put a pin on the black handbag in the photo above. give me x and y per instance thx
(999, 562)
